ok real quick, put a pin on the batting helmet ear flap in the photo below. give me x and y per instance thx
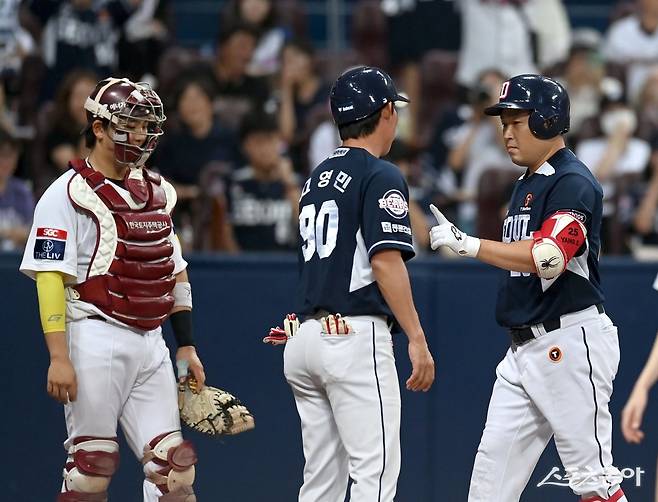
(544, 127)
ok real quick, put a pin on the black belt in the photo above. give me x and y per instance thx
(523, 334)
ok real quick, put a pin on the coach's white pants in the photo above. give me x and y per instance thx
(348, 399)
(123, 376)
(536, 397)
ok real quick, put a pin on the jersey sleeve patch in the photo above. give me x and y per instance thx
(394, 203)
(50, 244)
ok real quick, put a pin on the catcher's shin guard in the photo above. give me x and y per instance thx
(172, 464)
(90, 465)
(184, 494)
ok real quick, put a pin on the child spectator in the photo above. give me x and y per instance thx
(263, 195)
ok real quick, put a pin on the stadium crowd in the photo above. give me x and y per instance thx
(249, 119)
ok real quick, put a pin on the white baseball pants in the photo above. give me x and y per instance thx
(123, 376)
(348, 399)
(541, 392)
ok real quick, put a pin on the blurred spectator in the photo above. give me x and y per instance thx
(261, 15)
(64, 140)
(477, 144)
(519, 35)
(196, 139)
(414, 27)
(144, 38)
(324, 139)
(420, 196)
(617, 158)
(552, 29)
(17, 66)
(647, 107)
(236, 93)
(16, 200)
(15, 41)
(645, 221)
(581, 76)
(195, 142)
(632, 42)
(264, 195)
(303, 97)
(79, 34)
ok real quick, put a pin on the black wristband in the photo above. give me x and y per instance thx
(181, 323)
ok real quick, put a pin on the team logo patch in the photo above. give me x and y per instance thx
(528, 199)
(50, 244)
(555, 354)
(395, 204)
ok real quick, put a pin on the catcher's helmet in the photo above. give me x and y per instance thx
(119, 101)
(361, 92)
(547, 101)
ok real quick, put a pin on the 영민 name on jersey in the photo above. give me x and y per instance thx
(392, 228)
(50, 244)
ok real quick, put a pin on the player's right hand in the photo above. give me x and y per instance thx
(631, 416)
(62, 382)
(422, 363)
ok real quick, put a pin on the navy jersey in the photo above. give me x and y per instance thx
(563, 183)
(351, 207)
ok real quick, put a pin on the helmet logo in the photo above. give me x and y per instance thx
(117, 106)
(504, 90)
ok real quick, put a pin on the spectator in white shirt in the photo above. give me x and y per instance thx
(616, 153)
(633, 42)
(518, 35)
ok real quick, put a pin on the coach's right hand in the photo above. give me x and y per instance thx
(422, 363)
(62, 382)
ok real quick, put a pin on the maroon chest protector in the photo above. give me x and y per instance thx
(136, 289)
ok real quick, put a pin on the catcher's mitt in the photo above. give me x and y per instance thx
(212, 411)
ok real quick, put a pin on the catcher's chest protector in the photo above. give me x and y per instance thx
(130, 276)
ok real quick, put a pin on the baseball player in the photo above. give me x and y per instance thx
(109, 271)
(556, 379)
(355, 237)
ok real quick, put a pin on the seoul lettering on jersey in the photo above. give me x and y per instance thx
(562, 184)
(50, 244)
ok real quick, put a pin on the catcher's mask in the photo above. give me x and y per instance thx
(133, 110)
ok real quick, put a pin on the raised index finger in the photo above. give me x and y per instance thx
(438, 215)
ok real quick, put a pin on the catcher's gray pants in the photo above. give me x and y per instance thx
(557, 385)
(123, 376)
(348, 398)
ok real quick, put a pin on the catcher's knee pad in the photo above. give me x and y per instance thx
(90, 465)
(82, 497)
(174, 461)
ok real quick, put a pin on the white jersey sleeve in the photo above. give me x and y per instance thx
(52, 243)
(179, 262)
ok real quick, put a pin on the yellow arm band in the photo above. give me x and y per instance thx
(52, 302)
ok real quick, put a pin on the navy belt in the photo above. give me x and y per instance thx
(524, 334)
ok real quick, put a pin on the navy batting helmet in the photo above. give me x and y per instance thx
(547, 101)
(361, 92)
